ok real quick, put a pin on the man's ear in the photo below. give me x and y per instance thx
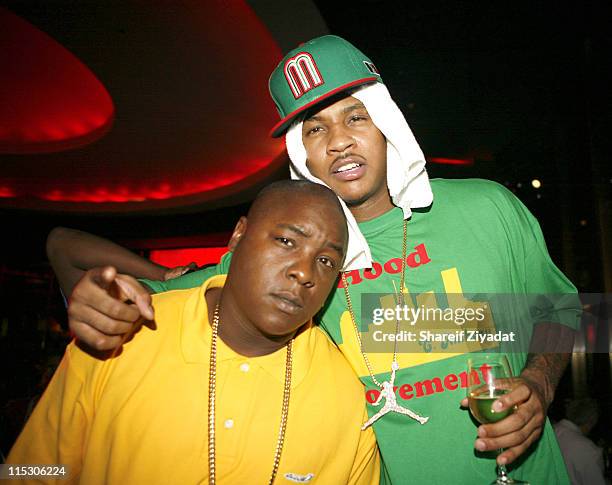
(239, 231)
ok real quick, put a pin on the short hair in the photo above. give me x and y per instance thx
(292, 188)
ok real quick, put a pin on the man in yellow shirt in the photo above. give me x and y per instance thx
(231, 383)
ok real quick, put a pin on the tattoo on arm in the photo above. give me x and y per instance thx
(549, 354)
(543, 372)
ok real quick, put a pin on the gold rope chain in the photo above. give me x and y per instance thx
(212, 388)
(349, 305)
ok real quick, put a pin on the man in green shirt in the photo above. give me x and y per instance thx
(409, 238)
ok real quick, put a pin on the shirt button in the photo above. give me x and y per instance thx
(245, 367)
(229, 423)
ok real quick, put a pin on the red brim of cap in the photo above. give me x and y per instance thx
(279, 128)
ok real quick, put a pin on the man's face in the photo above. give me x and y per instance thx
(348, 152)
(286, 262)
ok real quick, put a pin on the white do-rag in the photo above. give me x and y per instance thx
(407, 178)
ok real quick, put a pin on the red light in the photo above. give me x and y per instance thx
(160, 191)
(591, 336)
(147, 162)
(182, 257)
(50, 100)
(7, 192)
(451, 161)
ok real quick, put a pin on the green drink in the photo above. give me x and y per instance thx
(489, 378)
(481, 406)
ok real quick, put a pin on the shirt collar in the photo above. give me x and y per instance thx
(394, 217)
(196, 333)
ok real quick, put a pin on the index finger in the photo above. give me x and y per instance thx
(135, 292)
(514, 422)
(89, 293)
(516, 396)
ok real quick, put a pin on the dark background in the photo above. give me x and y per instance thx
(519, 90)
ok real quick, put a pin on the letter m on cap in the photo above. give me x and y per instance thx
(302, 74)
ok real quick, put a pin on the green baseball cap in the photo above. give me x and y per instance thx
(314, 71)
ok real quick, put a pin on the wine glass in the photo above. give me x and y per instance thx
(489, 377)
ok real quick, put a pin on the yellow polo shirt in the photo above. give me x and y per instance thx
(141, 416)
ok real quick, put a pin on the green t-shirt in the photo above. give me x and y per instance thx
(476, 238)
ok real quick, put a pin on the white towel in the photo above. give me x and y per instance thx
(407, 178)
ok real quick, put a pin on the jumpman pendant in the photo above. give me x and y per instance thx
(391, 402)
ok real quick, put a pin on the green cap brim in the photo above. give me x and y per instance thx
(283, 125)
(312, 73)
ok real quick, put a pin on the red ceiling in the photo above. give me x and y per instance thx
(188, 81)
(50, 100)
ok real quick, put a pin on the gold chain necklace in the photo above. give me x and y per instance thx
(212, 391)
(349, 305)
(387, 391)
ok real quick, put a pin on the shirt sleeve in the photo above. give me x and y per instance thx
(557, 296)
(366, 467)
(552, 296)
(190, 280)
(55, 432)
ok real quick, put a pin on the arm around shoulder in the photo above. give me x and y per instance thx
(191, 279)
(72, 253)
